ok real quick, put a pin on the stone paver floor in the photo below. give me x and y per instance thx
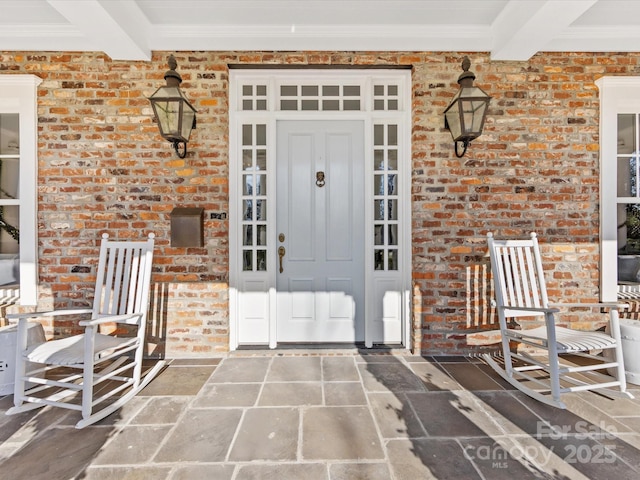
(329, 415)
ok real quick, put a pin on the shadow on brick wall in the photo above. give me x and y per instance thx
(633, 311)
(156, 334)
(482, 325)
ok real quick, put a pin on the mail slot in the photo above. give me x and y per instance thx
(187, 227)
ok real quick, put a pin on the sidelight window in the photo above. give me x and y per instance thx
(385, 196)
(254, 197)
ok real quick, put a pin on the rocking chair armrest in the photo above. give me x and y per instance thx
(618, 305)
(50, 313)
(530, 309)
(109, 319)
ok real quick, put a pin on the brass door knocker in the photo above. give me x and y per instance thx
(320, 179)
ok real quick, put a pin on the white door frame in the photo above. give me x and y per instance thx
(256, 103)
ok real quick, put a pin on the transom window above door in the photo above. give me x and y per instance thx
(320, 97)
(327, 96)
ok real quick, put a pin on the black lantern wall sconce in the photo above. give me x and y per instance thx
(175, 115)
(465, 115)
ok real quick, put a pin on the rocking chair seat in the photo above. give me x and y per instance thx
(70, 350)
(567, 340)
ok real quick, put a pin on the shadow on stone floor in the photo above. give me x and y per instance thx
(38, 445)
(44, 444)
(464, 421)
(356, 416)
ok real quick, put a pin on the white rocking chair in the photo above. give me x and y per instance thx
(520, 291)
(106, 369)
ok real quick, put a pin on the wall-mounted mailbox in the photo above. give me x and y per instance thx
(187, 228)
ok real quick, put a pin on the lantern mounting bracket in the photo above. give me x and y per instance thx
(465, 144)
(181, 148)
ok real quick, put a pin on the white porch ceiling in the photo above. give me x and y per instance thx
(132, 29)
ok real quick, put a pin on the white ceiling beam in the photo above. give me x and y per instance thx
(117, 27)
(614, 38)
(35, 37)
(323, 37)
(525, 27)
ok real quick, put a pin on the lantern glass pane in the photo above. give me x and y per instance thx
(187, 121)
(479, 108)
(472, 92)
(168, 114)
(166, 106)
(453, 121)
(467, 117)
(474, 102)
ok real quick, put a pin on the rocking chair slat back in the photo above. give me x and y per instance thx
(117, 293)
(113, 360)
(520, 275)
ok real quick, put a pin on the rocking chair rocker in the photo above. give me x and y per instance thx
(105, 369)
(520, 292)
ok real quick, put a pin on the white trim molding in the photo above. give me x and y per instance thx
(258, 100)
(618, 95)
(18, 94)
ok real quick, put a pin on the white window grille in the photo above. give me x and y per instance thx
(254, 197)
(254, 97)
(385, 196)
(318, 97)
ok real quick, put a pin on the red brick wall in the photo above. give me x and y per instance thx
(104, 167)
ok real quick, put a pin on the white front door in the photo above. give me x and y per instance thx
(320, 231)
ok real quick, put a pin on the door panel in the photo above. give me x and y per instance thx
(339, 229)
(301, 201)
(320, 291)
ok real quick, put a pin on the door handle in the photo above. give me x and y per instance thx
(281, 252)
